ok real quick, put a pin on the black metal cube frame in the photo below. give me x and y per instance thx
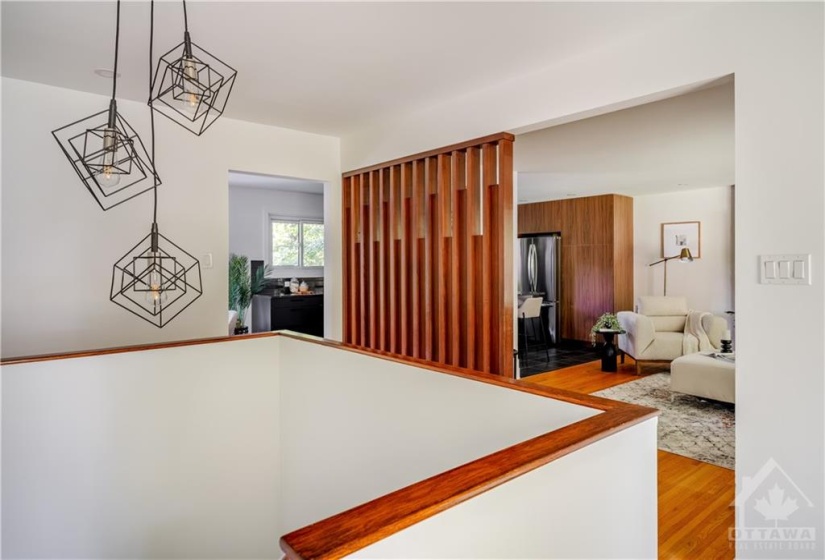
(180, 275)
(82, 144)
(214, 83)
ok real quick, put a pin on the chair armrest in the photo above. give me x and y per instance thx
(715, 327)
(640, 332)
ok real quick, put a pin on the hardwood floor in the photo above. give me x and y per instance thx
(695, 498)
(586, 378)
(695, 508)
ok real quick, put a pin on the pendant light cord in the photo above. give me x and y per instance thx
(117, 44)
(185, 18)
(151, 109)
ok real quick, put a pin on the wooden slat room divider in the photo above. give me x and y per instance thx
(428, 260)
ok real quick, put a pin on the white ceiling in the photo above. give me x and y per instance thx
(328, 68)
(681, 143)
(259, 181)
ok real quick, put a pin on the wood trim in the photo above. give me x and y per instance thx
(135, 348)
(492, 138)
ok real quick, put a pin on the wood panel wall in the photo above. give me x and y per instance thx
(597, 255)
(428, 256)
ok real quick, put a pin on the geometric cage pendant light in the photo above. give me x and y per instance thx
(156, 279)
(191, 87)
(106, 152)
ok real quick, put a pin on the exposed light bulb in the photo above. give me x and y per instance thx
(156, 295)
(109, 177)
(191, 93)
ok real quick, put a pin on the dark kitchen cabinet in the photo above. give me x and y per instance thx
(304, 314)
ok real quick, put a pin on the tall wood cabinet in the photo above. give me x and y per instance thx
(596, 256)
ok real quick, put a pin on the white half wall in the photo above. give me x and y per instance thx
(58, 246)
(389, 425)
(576, 510)
(707, 282)
(216, 450)
(170, 453)
(780, 191)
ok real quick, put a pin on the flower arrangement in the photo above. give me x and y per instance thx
(607, 321)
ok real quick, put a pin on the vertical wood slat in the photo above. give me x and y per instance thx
(430, 186)
(392, 281)
(346, 221)
(504, 237)
(352, 264)
(472, 272)
(415, 252)
(428, 258)
(456, 324)
(372, 287)
(442, 256)
(488, 178)
(404, 258)
(381, 247)
(364, 257)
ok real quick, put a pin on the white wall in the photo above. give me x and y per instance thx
(249, 211)
(389, 425)
(58, 247)
(707, 282)
(780, 199)
(169, 453)
(576, 510)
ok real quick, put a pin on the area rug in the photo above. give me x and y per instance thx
(691, 426)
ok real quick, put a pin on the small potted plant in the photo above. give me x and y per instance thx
(607, 321)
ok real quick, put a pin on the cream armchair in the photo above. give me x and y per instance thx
(656, 333)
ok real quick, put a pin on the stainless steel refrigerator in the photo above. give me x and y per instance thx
(539, 275)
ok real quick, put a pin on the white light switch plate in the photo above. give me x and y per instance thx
(207, 260)
(785, 269)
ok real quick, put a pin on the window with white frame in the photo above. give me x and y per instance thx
(297, 243)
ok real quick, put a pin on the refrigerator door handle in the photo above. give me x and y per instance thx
(532, 266)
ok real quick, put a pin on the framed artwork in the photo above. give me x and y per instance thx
(678, 235)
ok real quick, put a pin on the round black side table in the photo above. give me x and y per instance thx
(609, 349)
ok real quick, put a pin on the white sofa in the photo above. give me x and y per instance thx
(655, 334)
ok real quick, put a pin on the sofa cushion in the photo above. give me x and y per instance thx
(674, 323)
(666, 346)
(704, 376)
(654, 306)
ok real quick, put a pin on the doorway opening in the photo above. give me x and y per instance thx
(613, 185)
(277, 225)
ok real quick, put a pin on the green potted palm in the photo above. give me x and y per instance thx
(240, 290)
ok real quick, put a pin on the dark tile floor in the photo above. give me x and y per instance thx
(565, 354)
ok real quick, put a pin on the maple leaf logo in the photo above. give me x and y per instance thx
(777, 506)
